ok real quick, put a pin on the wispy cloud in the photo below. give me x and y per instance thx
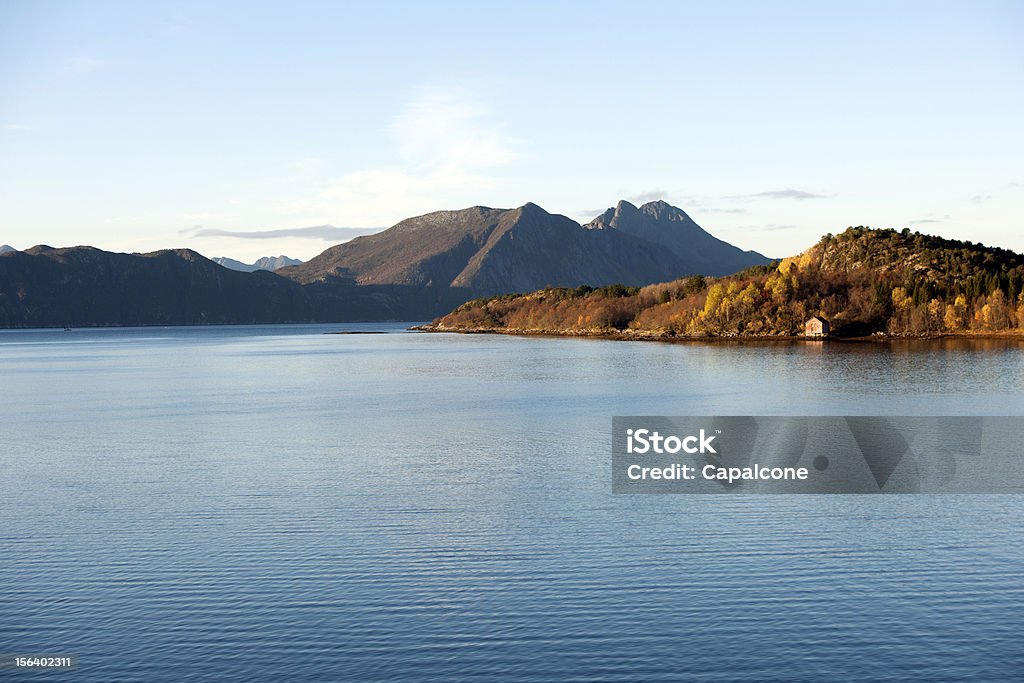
(649, 196)
(720, 210)
(995, 194)
(328, 233)
(755, 227)
(772, 227)
(930, 218)
(709, 205)
(16, 126)
(446, 147)
(788, 194)
(445, 130)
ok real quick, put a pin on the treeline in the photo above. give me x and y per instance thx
(863, 281)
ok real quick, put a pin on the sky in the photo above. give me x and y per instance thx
(248, 129)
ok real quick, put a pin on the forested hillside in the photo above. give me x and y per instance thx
(863, 281)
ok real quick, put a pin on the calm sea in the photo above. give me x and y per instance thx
(279, 504)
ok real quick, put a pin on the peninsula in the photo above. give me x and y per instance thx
(864, 281)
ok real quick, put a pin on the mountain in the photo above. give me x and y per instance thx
(493, 251)
(416, 270)
(4, 248)
(270, 263)
(83, 286)
(863, 281)
(698, 251)
(275, 262)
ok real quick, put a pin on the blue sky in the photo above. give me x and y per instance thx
(241, 129)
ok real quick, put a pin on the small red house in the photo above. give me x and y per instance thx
(816, 327)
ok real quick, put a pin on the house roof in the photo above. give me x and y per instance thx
(816, 317)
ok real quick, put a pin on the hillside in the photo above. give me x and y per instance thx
(416, 270)
(492, 251)
(864, 281)
(83, 286)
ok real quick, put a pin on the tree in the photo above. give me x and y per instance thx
(716, 293)
(995, 314)
(936, 311)
(902, 304)
(955, 317)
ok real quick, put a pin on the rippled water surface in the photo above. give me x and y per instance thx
(275, 503)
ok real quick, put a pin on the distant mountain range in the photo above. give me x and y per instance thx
(83, 286)
(266, 263)
(418, 269)
(495, 251)
(4, 248)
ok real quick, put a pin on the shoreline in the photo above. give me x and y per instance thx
(648, 336)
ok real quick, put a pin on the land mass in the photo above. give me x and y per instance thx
(83, 286)
(863, 281)
(416, 270)
(492, 251)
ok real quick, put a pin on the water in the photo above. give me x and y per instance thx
(274, 503)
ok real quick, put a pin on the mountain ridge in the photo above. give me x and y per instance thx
(419, 268)
(270, 263)
(490, 250)
(84, 286)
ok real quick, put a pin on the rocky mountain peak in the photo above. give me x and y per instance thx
(663, 211)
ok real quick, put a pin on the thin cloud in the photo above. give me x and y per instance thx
(718, 210)
(774, 227)
(930, 218)
(16, 126)
(790, 193)
(764, 227)
(702, 206)
(982, 197)
(446, 130)
(327, 233)
(447, 149)
(649, 196)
